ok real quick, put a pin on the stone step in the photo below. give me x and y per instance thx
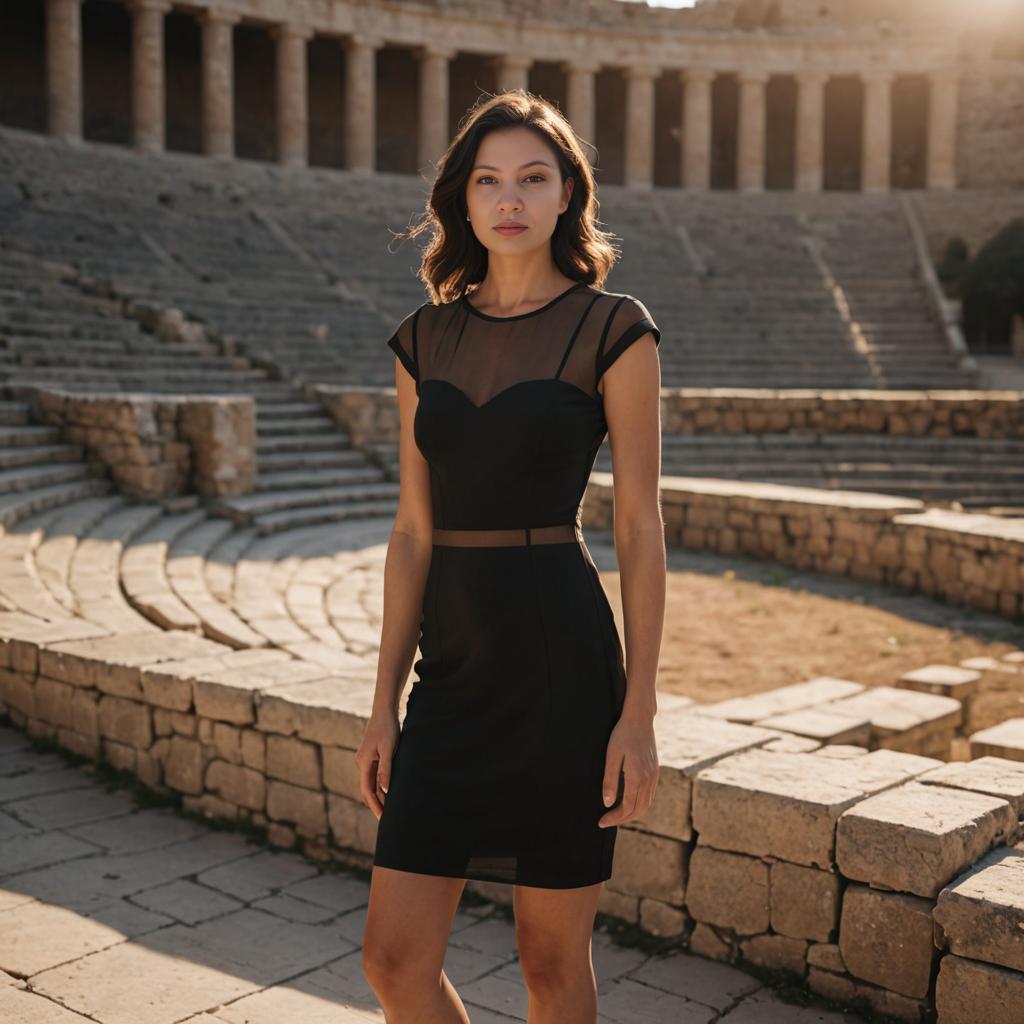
(292, 518)
(328, 476)
(304, 425)
(342, 457)
(12, 414)
(19, 504)
(272, 445)
(243, 508)
(27, 436)
(28, 455)
(30, 478)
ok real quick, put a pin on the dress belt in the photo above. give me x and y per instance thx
(520, 535)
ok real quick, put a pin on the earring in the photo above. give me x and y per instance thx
(467, 216)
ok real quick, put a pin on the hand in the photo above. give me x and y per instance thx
(631, 751)
(374, 760)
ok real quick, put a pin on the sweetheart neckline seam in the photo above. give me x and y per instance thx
(532, 380)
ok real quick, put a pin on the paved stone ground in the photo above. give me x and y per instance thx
(116, 912)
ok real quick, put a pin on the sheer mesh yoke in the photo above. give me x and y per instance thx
(575, 337)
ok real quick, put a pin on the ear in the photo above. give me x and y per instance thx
(570, 183)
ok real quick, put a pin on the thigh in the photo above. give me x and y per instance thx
(555, 923)
(409, 917)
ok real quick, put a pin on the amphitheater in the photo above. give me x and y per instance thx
(198, 474)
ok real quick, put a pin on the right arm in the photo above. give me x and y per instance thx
(405, 574)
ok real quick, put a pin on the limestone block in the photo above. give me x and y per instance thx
(236, 784)
(353, 824)
(229, 695)
(892, 710)
(341, 773)
(649, 865)
(822, 725)
(827, 956)
(324, 709)
(185, 767)
(304, 808)
(1003, 740)
(623, 906)
(112, 664)
(948, 680)
(293, 760)
(708, 942)
(661, 919)
(967, 992)
(776, 953)
(784, 805)
(804, 901)
(53, 702)
(18, 691)
(126, 721)
(85, 746)
(254, 750)
(686, 743)
(729, 890)
(916, 838)
(996, 776)
(227, 741)
(781, 700)
(886, 938)
(981, 914)
(222, 435)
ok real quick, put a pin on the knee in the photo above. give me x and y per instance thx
(393, 968)
(551, 969)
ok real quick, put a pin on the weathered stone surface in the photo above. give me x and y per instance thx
(229, 695)
(996, 776)
(650, 865)
(661, 919)
(886, 938)
(777, 953)
(1003, 740)
(237, 784)
(783, 805)
(185, 767)
(305, 808)
(126, 721)
(948, 680)
(821, 724)
(781, 700)
(967, 992)
(916, 838)
(341, 773)
(687, 743)
(329, 710)
(980, 915)
(353, 824)
(804, 901)
(294, 760)
(892, 710)
(728, 890)
(112, 664)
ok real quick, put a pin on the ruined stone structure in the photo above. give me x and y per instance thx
(744, 94)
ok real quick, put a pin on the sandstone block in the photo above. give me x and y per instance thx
(329, 710)
(886, 938)
(236, 784)
(804, 901)
(649, 865)
(777, 953)
(947, 680)
(185, 766)
(304, 808)
(341, 774)
(916, 838)
(729, 890)
(126, 721)
(967, 992)
(781, 700)
(293, 760)
(1004, 740)
(980, 915)
(353, 824)
(996, 776)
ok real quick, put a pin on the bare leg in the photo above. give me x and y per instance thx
(404, 943)
(553, 931)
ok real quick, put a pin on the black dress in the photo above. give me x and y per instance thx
(497, 774)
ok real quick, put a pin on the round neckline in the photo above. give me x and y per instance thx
(519, 316)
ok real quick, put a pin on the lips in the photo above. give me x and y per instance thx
(510, 229)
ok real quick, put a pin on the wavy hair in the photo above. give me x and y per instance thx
(454, 259)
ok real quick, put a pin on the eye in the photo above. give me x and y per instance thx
(490, 177)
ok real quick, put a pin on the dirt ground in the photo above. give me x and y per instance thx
(736, 626)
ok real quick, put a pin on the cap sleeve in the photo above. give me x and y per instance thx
(404, 344)
(628, 321)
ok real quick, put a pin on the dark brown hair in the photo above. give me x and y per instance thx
(454, 258)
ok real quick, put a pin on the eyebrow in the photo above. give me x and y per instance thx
(489, 167)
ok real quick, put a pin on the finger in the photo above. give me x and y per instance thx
(610, 785)
(367, 787)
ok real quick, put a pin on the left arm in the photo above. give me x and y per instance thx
(632, 401)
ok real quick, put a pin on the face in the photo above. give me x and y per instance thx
(515, 178)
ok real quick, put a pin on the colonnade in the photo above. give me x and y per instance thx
(64, 95)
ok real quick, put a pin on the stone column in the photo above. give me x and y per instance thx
(697, 128)
(292, 95)
(434, 104)
(750, 155)
(942, 118)
(218, 81)
(361, 102)
(513, 71)
(579, 80)
(876, 155)
(639, 134)
(810, 130)
(148, 90)
(64, 68)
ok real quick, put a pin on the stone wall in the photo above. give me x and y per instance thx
(832, 864)
(159, 446)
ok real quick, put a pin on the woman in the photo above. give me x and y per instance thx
(524, 744)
